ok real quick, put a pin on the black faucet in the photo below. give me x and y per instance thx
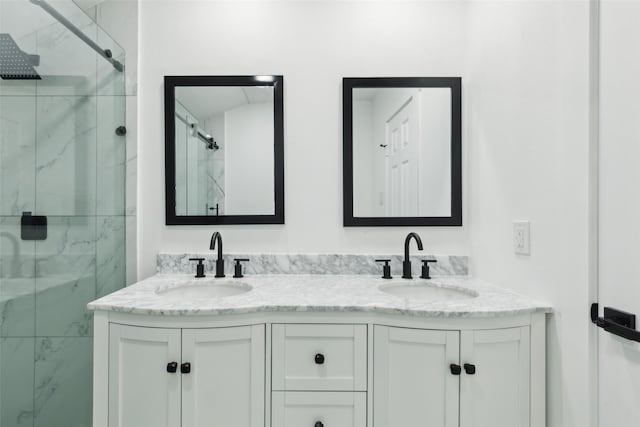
(219, 262)
(406, 264)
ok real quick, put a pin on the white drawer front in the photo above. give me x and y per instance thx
(298, 353)
(318, 409)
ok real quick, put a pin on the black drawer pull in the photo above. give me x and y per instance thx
(318, 424)
(172, 367)
(455, 369)
(469, 368)
(319, 359)
(185, 368)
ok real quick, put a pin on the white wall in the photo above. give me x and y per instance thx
(435, 152)
(365, 198)
(527, 111)
(314, 45)
(249, 171)
(525, 131)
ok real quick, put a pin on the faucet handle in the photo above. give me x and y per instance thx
(237, 269)
(425, 268)
(386, 268)
(199, 266)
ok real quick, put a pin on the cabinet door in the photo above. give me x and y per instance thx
(225, 387)
(141, 390)
(319, 409)
(497, 394)
(412, 381)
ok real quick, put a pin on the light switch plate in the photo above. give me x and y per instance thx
(522, 237)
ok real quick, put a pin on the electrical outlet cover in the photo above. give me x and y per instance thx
(521, 238)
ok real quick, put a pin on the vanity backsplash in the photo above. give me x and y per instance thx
(447, 265)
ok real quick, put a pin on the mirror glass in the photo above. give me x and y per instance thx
(224, 152)
(403, 140)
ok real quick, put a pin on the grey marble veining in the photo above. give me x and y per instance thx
(315, 293)
(447, 265)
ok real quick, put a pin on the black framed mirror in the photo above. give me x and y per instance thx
(402, 154)
(224, 150)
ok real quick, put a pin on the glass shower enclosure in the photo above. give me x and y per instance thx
(62, 205)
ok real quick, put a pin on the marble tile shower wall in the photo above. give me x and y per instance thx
(59, 157)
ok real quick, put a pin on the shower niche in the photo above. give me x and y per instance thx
(224, 150)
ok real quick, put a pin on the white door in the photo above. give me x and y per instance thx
(142, 390)
(319, 409)
(225, 385)
(494, 385)
(413, 385)
(402, 138)
(619, 216)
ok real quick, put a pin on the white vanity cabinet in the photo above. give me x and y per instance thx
(412, 382)
(141, 391)
(186, 377)
(497, 393)
(441, 378)
(319, 409)
(318, 351)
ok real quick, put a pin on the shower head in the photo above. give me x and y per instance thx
(14, 63)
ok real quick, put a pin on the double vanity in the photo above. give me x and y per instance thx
(317, 350)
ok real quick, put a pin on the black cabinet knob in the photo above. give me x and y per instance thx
(455, 369)
(319, 358)
(318, 424)
(469, 368)
(185, 368)
(172, 367)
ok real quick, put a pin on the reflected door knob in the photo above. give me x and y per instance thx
(319, 359)
(185, 368)
(318, 424)
(469, 368)
(172, 367)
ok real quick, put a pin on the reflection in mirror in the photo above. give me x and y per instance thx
(221, 134)
(403, 135)
(226, 150)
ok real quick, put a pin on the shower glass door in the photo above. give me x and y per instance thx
(62, 158)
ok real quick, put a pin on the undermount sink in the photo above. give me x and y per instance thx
(207, 288)
(426, 292)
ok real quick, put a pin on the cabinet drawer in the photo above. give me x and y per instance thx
(319, 409)
(319, 357)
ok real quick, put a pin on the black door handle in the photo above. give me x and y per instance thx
(172, 367)
(318, 424)
(469, 368)
(185, 368)
(617, 322)
(455, 369)
(319, 358)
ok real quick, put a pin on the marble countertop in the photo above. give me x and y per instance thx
(317, 293)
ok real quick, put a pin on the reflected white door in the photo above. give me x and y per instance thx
(402, 135)
(619, 222)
